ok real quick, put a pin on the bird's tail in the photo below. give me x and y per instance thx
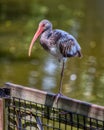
(79, 54)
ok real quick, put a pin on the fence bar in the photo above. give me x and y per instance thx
(65, 103)
(1, 114)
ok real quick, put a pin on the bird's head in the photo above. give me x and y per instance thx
(43, 26)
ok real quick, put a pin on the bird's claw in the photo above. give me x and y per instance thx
(57, 97)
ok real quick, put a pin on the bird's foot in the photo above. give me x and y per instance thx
(57, 96)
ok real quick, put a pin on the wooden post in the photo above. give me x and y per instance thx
(1, 114)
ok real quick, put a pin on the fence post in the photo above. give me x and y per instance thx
(1, 114)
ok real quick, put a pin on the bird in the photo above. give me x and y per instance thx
(58, 43)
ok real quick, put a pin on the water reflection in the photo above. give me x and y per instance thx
(73, 77)
(48, 83)
(32, 77)
(50, 66)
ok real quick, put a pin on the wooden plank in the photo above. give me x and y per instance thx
(65, 103)
(1, 114)
(26, 93)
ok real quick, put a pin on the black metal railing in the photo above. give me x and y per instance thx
(27, 115)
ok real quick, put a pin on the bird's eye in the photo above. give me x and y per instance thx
(43, 25)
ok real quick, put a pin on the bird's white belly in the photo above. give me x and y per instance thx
(55, 52)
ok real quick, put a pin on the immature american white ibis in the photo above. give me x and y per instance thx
(57, 42)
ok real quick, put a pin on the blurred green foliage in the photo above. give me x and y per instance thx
(20, 18)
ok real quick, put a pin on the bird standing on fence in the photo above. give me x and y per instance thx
(57, 42)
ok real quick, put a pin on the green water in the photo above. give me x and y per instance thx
(84, 19)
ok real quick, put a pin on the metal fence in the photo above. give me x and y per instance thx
(31, 109)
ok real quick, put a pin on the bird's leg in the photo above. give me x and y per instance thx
(61, 78)
(60, 84)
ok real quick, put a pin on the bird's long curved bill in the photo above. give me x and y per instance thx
(38, 32)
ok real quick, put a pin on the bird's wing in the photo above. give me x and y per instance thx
(67, 44)
(69, 48)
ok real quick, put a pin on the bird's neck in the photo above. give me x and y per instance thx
(46, 33)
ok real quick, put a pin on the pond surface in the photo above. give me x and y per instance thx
(84, 19)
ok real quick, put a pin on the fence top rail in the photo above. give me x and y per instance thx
(64, 103)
